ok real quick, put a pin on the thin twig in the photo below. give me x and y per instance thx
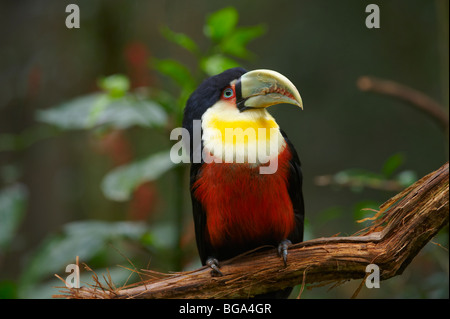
(415, 98)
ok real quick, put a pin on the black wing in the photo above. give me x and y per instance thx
(295, 192)
(204, 247)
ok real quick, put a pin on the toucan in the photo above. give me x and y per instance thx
(236, 206)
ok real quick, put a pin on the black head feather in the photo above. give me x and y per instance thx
(205, 96)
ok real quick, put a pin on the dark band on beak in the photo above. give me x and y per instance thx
(263, 88)
(240, 101)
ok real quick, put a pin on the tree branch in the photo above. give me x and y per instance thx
(408, 221)
(416, 98)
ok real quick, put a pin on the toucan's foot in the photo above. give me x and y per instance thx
(213, 263)
(282, 249)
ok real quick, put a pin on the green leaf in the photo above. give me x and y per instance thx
(116, 85)
(119, 184)
(8, 289)
(97, 109)
(163, 98)
(221, 23)
(357, 179)
(84, 239)
(235, 44)
(406, 178)
(392, 164)
(176, 71)
(13, 201)
(164, 236)
(216, 64)
(70, 115)
(181, 39)
(133, 110)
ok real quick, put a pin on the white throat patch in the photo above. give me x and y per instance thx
(232, 136)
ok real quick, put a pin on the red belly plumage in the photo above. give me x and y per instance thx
(243, 205)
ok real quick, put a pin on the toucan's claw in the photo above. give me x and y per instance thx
(213, 263)
(282, 249)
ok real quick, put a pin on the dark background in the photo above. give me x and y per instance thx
(321, 46)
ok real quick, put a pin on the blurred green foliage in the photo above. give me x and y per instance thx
(228, 42)
(116, 107)
(12, 210)
(156, 111)
(390, 178)
(121, 181)
(358, 179)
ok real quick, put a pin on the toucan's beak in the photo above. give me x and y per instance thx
(263, 88)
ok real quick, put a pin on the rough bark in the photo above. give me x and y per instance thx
(404, 224)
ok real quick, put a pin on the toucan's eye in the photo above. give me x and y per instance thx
(228, 93)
